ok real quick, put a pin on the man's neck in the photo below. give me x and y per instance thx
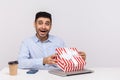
(42, 38)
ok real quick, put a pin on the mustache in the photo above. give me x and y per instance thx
(43, 30)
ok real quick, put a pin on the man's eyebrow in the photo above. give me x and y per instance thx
(40, 21)
(47, 21)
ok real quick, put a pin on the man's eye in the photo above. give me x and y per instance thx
(40, 23)
(47, 23)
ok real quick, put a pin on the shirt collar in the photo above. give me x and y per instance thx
(48, 40)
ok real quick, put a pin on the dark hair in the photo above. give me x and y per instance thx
(43, 14)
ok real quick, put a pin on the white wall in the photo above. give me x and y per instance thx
(92, 26)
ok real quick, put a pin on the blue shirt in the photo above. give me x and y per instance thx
(33, 51)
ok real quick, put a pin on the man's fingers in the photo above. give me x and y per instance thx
(82, 54)
(54, 56)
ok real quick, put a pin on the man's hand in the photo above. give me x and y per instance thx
(50, 59)
(83, 55)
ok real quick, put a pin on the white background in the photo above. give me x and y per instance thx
(92, 26)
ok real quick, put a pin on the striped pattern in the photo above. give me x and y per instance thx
(69, 59)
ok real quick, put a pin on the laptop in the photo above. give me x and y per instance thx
(59, 72)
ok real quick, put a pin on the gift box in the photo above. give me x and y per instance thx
(69, 60)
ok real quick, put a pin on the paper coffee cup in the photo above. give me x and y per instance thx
(13, 65)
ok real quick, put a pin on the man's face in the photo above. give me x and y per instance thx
(42, 26)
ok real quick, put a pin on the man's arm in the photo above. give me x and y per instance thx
(25, 60)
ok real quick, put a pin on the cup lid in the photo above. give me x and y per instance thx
(13, 62)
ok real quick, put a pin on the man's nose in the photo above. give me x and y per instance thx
(43, 26)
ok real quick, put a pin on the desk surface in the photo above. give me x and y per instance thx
(98, 74)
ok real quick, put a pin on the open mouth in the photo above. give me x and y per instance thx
(43, 31)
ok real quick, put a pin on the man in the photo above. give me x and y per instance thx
(38, 52)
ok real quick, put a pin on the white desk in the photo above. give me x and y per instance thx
(99, 74)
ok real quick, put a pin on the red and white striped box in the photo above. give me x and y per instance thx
(69, 60)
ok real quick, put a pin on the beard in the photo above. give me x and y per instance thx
(42, 35)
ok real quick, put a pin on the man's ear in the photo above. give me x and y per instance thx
(34, 24)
